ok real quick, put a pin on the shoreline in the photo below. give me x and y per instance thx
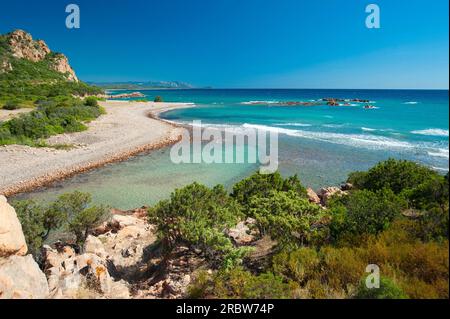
(31, 168)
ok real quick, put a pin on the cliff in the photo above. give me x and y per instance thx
(19, 46)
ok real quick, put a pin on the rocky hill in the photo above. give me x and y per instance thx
(32, 58)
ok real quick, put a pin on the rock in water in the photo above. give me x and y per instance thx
(12, 240)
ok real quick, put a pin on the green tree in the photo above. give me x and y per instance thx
(31, 216)
(287, 218)
(84, 222)
(158, 99)
(262, 184)
(198, 217)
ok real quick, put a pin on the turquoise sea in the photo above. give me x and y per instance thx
(321, 143)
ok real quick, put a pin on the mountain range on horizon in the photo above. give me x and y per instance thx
(140, 85)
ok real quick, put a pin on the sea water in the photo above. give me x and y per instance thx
(320, 143)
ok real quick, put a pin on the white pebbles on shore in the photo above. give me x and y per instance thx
(126, 130)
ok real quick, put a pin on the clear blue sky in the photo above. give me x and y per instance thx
(246, 43)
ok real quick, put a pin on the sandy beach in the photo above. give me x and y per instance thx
(128, 128)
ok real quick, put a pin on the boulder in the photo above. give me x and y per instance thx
(327, 192)
(346, 186)
(312, 196)
(21, 278)
(12, 240)
(93, 245)
(124, 221)
(241, 234)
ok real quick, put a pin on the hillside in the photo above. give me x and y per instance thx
(30, 71)
(33, 76)
(144, 85)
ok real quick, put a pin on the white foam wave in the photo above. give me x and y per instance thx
(293, 124)
(411, 102)
(356, 140)
(368, 129)
(259, 102)
(432, 132)
(440, 152)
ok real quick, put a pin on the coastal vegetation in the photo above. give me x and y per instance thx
(32, 76)
(50, 117)
(289, 246)
(69, 213)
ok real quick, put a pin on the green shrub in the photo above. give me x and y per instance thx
(158, 99)
(287, 218)
(364, 212)
(388, 290)
(91, 101)
(71, 210)
(262, 184)
(51, 116)
(198, 217)
(11, 105)
(31, 216)
(241, 284)
(396, 175)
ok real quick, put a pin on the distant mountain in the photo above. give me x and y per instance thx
(132, 85)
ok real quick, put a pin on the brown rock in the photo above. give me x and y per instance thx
(327, 192)
(12, 240)
(312, 196)
(21, 278)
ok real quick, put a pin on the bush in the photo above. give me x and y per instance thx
(158, 99)
(396, 175)
(388, 290)
(364, 212)
(198, 217)
(85, 221)
(71, 210)
(52, 116)
(241, 284)
(31, 216)
(11, 105)
(262, 184)
(287, 218)
(91, 101)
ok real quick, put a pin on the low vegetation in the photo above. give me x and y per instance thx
(71, 213)
(316, 252)
(51, 116)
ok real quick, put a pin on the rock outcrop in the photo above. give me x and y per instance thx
(12, 240)
(61, 64)
(20, 276)
(327, 193)
(312, 196)
(22, 46)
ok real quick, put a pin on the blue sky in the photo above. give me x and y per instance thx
(246, 43)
